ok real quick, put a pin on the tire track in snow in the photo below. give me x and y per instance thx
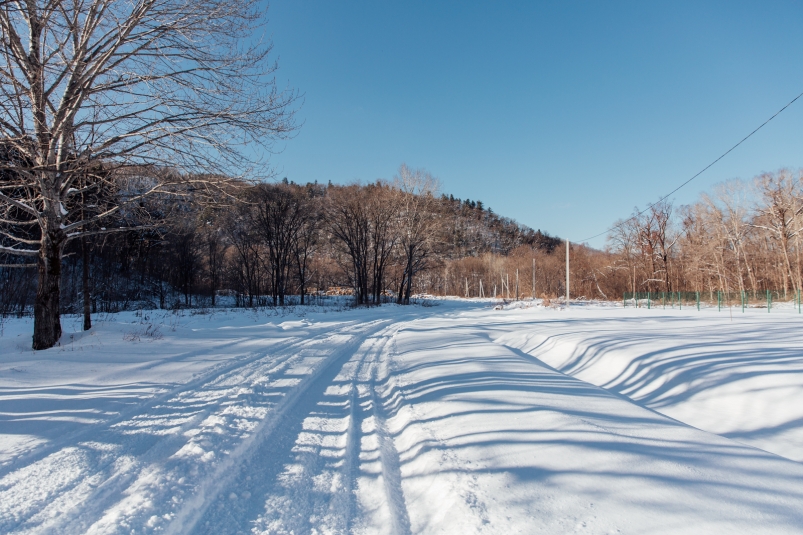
(101, 481)
(263, 452)
(111, 490)
(390, 462)
(148, 403)
(304, 479)
(352, 453)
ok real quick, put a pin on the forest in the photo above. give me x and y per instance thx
(277, 243)
(280, 243)
(742, 237)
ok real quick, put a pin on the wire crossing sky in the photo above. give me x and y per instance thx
(706, 168)
(564, 116)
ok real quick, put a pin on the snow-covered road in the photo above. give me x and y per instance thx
(448, 419)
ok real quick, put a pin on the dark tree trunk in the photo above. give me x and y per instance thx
(47, 322)
(409, 288)
(400, 295)
(302, 283)
(85, 284)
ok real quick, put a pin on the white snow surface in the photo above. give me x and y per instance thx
(453, 419)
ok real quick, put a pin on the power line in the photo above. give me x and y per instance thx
(698, 174)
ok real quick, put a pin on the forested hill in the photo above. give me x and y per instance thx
(262, 242)
(472, 230)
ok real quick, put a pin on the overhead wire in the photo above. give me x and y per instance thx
(695, 176)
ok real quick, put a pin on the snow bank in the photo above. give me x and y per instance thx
(741, 378)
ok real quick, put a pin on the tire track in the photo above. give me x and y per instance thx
(390, 461)
(148, 403)
(304, 477)
(273, 440)
(105, 481)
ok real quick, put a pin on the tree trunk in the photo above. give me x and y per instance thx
(400, 296)
(409, 288)
(47, 322)
(85, 284)
(302, 285)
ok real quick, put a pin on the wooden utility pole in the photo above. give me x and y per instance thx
(533, 279)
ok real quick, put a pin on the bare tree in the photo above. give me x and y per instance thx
(623, 242)
(350, 225)
(215, 249)
(654, 242)
(307, 238)
(280, 213)
(122, 83)
(730, 212)
(383, 213)
(417, 224)
(777, 214)
(246, 265)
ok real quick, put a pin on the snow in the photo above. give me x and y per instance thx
(455, 418)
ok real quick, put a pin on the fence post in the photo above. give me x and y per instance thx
(719, 301)
(769, 301)
(698, 301)
(680, 302)
(648, 300)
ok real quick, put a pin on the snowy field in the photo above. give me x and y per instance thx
(455, 418)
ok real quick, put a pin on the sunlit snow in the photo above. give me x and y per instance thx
(454, 418)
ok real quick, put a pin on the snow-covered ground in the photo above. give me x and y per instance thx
(455, 418)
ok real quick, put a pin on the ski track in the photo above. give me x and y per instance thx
(142, 469)
(306, 479)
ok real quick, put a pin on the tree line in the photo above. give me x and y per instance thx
(272, 243)
(743, 236)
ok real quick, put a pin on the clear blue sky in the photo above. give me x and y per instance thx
(562, 115)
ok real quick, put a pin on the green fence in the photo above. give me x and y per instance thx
(743, 300)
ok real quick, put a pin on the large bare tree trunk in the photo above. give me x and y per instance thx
(85, 284)
(47, 324)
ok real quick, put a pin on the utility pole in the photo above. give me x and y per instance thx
(533, 279)
(567, 272)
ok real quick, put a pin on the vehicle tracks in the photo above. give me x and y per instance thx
(89, 485)
(305, 477)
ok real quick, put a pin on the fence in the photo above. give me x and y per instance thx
(760, 299)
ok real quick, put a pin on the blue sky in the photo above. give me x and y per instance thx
(562, 115)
